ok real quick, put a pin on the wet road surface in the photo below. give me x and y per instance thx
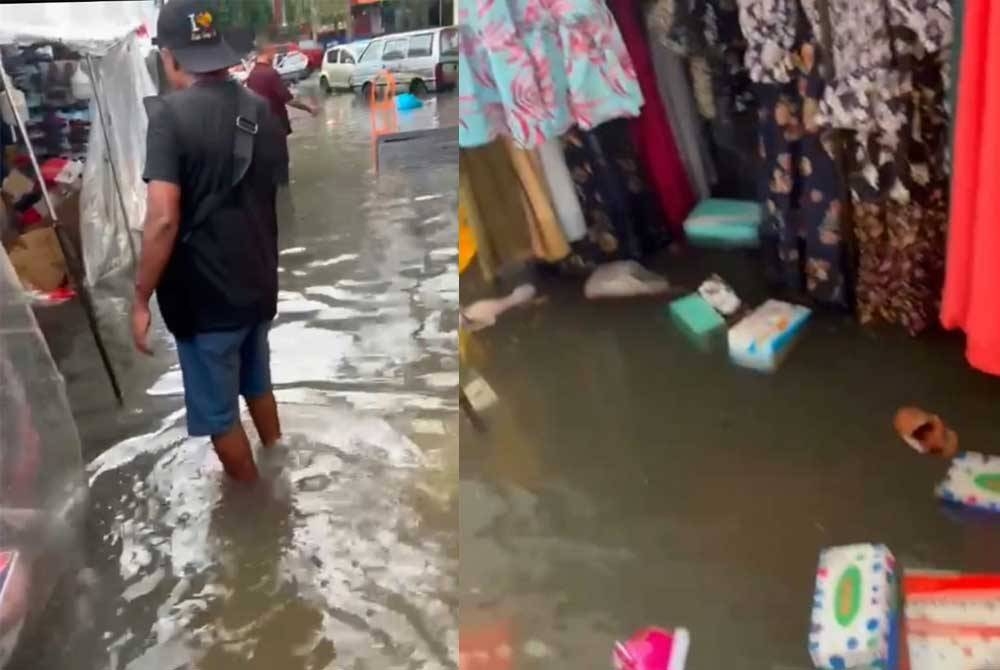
(345, 555)
(627, 480)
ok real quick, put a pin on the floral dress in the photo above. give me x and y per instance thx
(801, 186)
(890, 60)
(532, 69)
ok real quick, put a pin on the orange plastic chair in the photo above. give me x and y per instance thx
(385, 118)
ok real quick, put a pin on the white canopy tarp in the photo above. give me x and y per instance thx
(105, 31)
(88, 27)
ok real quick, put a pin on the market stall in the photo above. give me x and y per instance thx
(80, 74)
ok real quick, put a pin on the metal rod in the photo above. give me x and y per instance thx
(74, 267)
(98, 94)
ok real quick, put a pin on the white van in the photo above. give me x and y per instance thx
(420, 61)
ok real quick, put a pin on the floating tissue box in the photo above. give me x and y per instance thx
(720, 222)
(763, 338)
(952, 621)
(973, 481)
(698, 320)
(854, 609)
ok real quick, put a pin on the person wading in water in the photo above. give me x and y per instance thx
(214, 159)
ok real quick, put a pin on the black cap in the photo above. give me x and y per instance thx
(188, 28)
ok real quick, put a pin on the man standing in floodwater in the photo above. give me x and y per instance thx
(214, 158)
(265, 81)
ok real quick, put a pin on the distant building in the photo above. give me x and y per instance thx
(378, 17)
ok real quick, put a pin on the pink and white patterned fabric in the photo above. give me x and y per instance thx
(532, 69)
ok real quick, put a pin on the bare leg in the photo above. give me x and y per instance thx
(233, 449)
(264, 412)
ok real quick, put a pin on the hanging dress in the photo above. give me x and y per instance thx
(651, 132)
(972, 283)
(532, 69)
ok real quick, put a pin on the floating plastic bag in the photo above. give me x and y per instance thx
(624, 279)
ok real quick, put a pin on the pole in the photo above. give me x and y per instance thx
(98, 94)
(73, 264)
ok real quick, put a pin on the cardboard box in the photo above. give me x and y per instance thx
(38, 259)
(17, 185)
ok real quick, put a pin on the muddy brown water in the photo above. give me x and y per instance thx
(345, 555)
(627, 480)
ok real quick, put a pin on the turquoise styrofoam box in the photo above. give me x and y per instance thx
(723, 222)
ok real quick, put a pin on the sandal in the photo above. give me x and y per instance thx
(925, 432)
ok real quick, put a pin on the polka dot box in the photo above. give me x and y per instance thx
(952, 621)
(853, 609)
(974, 481)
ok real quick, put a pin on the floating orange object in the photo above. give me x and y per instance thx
(385, 118)
(486, 648)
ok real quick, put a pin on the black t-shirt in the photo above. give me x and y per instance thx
(222, 274)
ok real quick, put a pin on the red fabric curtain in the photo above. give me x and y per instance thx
(654, 140)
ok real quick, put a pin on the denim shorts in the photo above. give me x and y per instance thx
(218, 368)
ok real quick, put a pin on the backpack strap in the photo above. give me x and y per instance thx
(245, 128)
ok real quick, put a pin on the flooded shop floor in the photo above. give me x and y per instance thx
(626, 480)
(345, 555)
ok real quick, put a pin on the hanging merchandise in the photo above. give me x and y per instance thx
(623, 216)
(547, 239)
(685, 122)
(971, 298)
(530, 70)
(890, 60)
(800, 184)
(707, 35)
(497, 208)
(650, 131)
(82, 88)
(560, 184)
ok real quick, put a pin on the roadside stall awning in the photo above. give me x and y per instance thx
(113, 39)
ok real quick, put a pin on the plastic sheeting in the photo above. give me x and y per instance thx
(122, 82)
(42, 487)
(87, 27)
(107, 32)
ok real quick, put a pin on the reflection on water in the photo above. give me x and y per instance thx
(344, 555)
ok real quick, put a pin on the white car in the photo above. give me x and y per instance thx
(338, 66)
(293, 65)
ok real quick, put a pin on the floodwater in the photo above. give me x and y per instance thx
(345, 555)
(625, 479)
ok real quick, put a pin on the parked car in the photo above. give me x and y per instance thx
(292, 65)
(421, 61)
(314, 52)
(338, 66)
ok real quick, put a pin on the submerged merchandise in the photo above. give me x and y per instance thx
(697, 319)
(763, 339)
(973, 481)
(854, 608)
(722, 222)
(623, 279)
(952, 620)
(653, 649)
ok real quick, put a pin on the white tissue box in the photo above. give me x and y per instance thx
(853, 608)
(764, 337)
